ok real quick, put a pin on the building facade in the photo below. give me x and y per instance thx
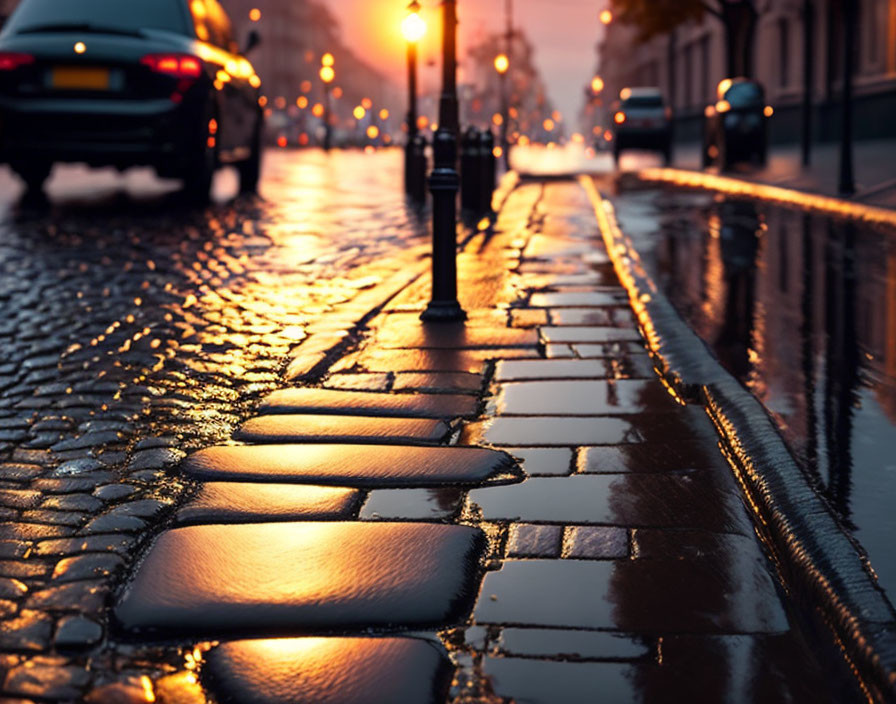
(689, 63)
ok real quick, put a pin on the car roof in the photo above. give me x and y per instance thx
(641, 92)
(726, 85)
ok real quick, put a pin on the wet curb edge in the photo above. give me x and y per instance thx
(822, 567)
(831, 205)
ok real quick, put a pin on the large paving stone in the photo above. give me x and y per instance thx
(733, 594)
(527, 369)
(738, 669)
(589, 334)
(350, 429)
(360, 403)
(413, 504)
(328, 671)
(300, 578)
(573, 645)
(438, 382)
(671, 428)
(423, 360)
(351, 465)
(582, 299)
(551, 432)
(230, 502)
(582, 398)
(540, 461)
(628, 500)
(401, 335)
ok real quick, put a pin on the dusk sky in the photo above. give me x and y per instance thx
(564, 33)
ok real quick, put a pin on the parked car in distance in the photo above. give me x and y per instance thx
(158, 83)
(736, 127)
(641, 120)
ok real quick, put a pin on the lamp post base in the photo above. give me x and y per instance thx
(443, 312)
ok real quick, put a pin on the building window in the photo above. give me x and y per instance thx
(876, 23)
(689, 75)
(705, 87)
(784, 51)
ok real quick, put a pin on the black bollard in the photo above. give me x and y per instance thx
(489, 169)
(444, 184)
(417, 169)
(470, 171)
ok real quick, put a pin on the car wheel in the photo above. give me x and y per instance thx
(34, 174)
(250, 169)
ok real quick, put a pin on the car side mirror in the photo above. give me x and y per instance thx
(252, 41)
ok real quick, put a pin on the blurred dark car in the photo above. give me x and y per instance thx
(736, 127)
(642, 121)
(122, 83)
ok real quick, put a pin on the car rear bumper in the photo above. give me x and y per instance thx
(644, 138)
(99, 133)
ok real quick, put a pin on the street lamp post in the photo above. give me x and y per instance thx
(502, 64)
(327, 75)
(413, 29)
(444, 183)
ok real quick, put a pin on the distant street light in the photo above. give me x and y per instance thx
(413, 28)
(606, 17)
(597, 85)
(327, 75)
(502, 65)
(444, 184)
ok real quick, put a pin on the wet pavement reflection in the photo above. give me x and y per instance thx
(801, 308)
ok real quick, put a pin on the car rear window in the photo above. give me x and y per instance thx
(644, 102)
(741, 94)
(125, 15)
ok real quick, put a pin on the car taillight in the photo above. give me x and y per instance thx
(176, 65)
(10, 61)
(619, 118)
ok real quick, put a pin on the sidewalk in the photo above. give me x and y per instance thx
(873, 162)
(371, 539)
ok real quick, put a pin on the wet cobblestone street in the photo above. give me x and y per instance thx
(135, 331)
(239, 469)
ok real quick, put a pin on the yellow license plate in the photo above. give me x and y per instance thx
(81, 78)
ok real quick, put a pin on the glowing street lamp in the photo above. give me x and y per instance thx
(597, 85)
(606, 17)
(502, 63)
(327, 76)
(413, 28)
